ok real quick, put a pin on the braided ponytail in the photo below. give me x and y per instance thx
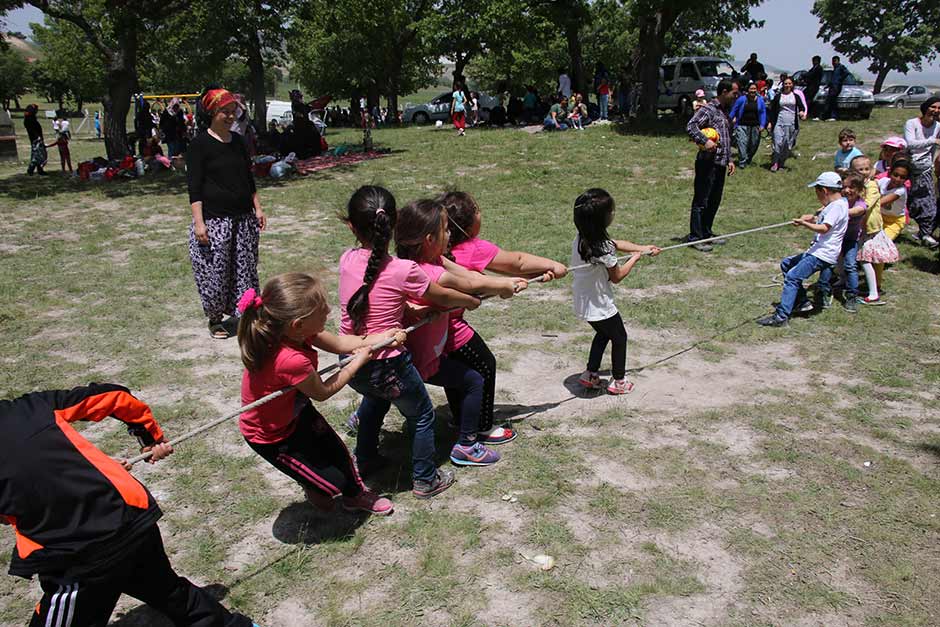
(372, 214)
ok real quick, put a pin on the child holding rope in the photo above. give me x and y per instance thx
(421, 235)
(853, 189)
(593, 290)
(373, 290)
(278, 333)
(829, 226)
(894, 186)
(464, 344)
(82, 522)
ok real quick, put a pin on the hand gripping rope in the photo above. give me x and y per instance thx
(273, 395)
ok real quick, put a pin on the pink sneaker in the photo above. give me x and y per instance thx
(590, 380)
(368, 501)
(620, 386)
(774, 167)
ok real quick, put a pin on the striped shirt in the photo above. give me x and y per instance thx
(712, 116)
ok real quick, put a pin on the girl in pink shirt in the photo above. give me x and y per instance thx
(463, 343)
(373, 290)
(421, 235)
(278, 333)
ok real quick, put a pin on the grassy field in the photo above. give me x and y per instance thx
(754, 477)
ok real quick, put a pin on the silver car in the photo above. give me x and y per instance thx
(439, 108)
(854, 99)
(901, 96)
(681, 76)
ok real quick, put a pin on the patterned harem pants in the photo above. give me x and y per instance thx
(226, 266)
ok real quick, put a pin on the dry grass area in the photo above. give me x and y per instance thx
(754, 477)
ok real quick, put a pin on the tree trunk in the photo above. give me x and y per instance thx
(460, 63)
(652, 46)
(880, 78)
(573, 37)
(258, 91)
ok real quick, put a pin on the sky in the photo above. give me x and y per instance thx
(787, 41)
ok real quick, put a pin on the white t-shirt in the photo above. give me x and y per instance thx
(593, 291)
(896, 208)
(827, 246)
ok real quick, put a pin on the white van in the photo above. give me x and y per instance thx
(277, 108)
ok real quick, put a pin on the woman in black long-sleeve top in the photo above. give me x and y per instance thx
(227, 215)
(37, 146)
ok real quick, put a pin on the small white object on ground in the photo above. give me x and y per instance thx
(545, 562)
(867, 464)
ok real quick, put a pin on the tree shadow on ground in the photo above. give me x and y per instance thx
(926, 262)
(931, 447)
(145, 616)
(19, 186)
(665, 126)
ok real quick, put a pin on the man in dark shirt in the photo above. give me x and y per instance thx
(713, 162)
(839, 75)
(813, 78)
(753, 68)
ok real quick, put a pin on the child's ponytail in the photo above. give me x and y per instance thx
(372, 214)
(265, 318)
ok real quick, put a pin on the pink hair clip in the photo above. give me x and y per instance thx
(380, 210)
(249, 300)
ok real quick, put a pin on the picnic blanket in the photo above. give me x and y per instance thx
(322, 162)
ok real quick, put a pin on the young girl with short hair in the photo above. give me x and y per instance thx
(879, 248)
(278, 333)
(373, 290)
(894, 209)
(422, 236)
(593, 292)
(464, 344)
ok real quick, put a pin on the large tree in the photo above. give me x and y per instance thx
(115, 29)
(355, 47)
(15, 72)
(897, 36)
(68, 67)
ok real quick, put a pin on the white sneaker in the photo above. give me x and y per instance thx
(590, 380)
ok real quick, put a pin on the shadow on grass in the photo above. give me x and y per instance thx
(670, 125)
(931, 447)
(928, 264)
(302, 523)
(145, 616)
(19, 186)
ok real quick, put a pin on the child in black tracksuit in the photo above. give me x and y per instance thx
(82, 522)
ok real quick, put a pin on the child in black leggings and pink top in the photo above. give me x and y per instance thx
(593, 292)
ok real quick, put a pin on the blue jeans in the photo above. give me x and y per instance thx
(604, 101)
(455, 375)
(795, 270)
(549, 124)
(849, 265)
(413, 403)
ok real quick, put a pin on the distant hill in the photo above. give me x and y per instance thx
(26, 48)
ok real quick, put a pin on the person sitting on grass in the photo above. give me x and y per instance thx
(278, 333)
(829, 225)
(556, 120)
(84, 524)
(847, 151)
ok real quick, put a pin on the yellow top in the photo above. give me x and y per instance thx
(873, 220)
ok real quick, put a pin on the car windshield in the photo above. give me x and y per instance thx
(443, 98)
(715, 68)
(895, 89)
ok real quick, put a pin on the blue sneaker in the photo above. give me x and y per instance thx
(475, 455)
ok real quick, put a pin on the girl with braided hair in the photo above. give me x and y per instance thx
(373, 290)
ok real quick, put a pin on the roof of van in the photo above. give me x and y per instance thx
(677, 59)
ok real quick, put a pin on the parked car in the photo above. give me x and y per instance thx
(279, 110)
(853, 99)
(681, 76)
(439, 109)
(901, 96)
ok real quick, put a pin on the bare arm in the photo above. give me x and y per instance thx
(890, 198)
(525, 265)
(854, 212)
(812, 226)
(319, 390)
(626, 246)
(618, 273)
(345, 344)
(447, 298)
(459, 278)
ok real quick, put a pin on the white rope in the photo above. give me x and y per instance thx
(698, 241)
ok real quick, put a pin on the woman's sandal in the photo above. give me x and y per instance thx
(218, 331)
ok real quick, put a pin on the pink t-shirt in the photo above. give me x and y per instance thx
(474, 254)
(275, 420)
(398, 280)
(427, 343)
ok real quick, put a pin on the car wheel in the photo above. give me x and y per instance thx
(420, 118)
(865, 114)
(899, 104)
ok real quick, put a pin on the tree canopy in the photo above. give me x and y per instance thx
(899, 36)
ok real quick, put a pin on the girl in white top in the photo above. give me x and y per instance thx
(593, 292)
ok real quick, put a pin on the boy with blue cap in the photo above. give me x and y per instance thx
(829, 225)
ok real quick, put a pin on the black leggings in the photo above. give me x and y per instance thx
(609, 330)
(314, 456)
(476, 355)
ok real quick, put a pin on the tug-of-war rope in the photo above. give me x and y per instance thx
(273, 395)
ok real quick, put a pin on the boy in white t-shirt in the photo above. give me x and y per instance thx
(830, 226)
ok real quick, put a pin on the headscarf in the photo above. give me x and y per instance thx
(216, 99)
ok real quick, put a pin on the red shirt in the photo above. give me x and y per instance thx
(275, 421)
